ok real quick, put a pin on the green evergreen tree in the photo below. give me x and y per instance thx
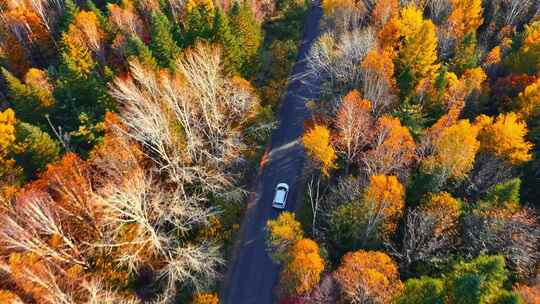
(412, 116)
(248, 31)
(162, 42)
(231, 51)
(505, 194)
(70, 11)
(508, 297)
(138, 49)
(424, 290)
(34, 148)
(478, 281)
(29, 102)
(103, 21)
(198, 26)
(80, 88)
(465, 56)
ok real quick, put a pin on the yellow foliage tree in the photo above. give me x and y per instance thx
(411, 21)
(8, 172)
(368, 277)
(85, 31)
(466, 17)
(384, 199)
(418, 51)
(459, 89)
(7, 129)
(454, 151)
(205, 298)
(283, 232)
(317, 144)
(303, 268)
(444, 209)
(504, 137)
(206, 4)
(529, 101)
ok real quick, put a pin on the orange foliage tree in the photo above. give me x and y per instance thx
(444, 209)
(126, 18)
(368, 277)
(384, 200)
(382, 11)
(303, 268)
(317, 143)
(379, 84)
(530, 294)
(29, 31)
(205, 298)
(7, 296)
(353, 123)
(393, 148)
(504, 137)
(466, 17)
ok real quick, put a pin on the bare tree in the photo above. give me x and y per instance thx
(516, 236)
(188, 122)
(336, 58)
(354, 126)
(36, 217)
(516, 10)
(439, 9)
(420, 241)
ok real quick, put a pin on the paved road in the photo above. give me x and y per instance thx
(252, 278)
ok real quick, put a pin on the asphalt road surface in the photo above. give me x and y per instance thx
(253, 276)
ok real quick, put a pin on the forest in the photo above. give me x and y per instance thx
(131, 131)
(423, 178)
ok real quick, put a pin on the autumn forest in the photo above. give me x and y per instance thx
(131, 132)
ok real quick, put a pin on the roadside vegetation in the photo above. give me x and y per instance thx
(422, 182)
(129, 133)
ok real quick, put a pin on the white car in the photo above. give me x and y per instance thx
(280, 198)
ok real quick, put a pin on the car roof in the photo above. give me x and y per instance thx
(279, 197)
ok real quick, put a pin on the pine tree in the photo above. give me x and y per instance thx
(31, 103)
(34, 148)
(418, 53)
(465, 56)
(71, 10)
(80, 89)
(248, 31)
(198, 25)
(231, 51)
(103, 21)
(138, 49)
(162, 42)
(424, 290)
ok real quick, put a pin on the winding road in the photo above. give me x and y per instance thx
(253, 276)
